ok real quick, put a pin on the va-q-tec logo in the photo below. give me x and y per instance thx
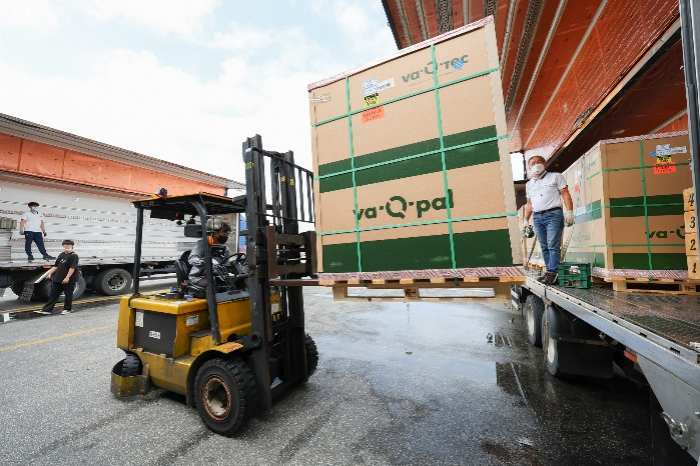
(457, 63)
(399, 207)
(665, 234)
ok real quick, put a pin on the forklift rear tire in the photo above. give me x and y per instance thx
(311, 355)
(534, 310)
(131, 365)
(225, 395)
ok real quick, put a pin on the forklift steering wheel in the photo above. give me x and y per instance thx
(239, 257)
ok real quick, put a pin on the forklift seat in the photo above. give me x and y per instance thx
(182, 270)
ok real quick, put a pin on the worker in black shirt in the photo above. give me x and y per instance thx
(63, 276)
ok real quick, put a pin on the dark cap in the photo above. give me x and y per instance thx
(68, 241)
(225, 227)
(33, 204)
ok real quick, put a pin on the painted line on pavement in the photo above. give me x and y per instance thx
(85, 301)
(68, 335)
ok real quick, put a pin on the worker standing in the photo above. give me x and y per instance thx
(33, 228)
(547, 193)
(63, 276)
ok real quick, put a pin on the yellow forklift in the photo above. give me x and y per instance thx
(233, 345)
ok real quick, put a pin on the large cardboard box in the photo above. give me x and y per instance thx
(628, 202)
(412, 163)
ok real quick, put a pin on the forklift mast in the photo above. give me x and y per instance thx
(279, 197)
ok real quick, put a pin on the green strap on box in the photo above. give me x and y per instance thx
(646, 207)
(442, 156)
(354, 182)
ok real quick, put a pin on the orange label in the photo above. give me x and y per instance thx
(372, 114)
(661, 168)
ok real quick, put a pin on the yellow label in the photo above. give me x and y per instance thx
(372, 99)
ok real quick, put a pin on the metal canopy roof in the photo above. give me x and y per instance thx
(182, 204)
(35, 132)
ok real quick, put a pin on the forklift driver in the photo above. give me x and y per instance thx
(196, 259)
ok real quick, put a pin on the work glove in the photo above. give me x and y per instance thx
(21, 233)
(44, 234)
(569, 218)
(528, 231)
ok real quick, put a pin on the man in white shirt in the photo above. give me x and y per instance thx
(545, 192)
(33, 228)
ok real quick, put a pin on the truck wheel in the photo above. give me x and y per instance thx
(112, 282)
(551, 348)
(79, 289)
(311, 355)
(17, 286)
(131, 365)
(534, 309)
(42, 290)
(225, 395)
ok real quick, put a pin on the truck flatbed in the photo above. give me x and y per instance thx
(85, 261)
(671, 322)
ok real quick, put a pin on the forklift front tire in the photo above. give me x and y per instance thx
(225, 395)
(311, 355)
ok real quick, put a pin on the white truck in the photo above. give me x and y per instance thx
(84, 189)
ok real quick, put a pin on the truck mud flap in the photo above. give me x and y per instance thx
(580, 351)
(585, 360)
(27, 291)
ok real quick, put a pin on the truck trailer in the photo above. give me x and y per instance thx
(84, 189)
(653, 338)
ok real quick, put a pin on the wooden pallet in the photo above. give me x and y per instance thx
(411, 288)
(651, 285)
(534, 266)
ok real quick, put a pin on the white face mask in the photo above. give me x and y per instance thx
(68, 248)
(537, 168)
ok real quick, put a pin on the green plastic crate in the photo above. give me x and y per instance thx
(574, 275)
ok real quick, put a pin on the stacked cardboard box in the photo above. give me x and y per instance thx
(691, 233)
(629, 207)
(6, 227)
(413, 170)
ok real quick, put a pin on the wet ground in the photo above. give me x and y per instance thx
(404, 384)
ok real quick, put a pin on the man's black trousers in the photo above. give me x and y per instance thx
(56, 290)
